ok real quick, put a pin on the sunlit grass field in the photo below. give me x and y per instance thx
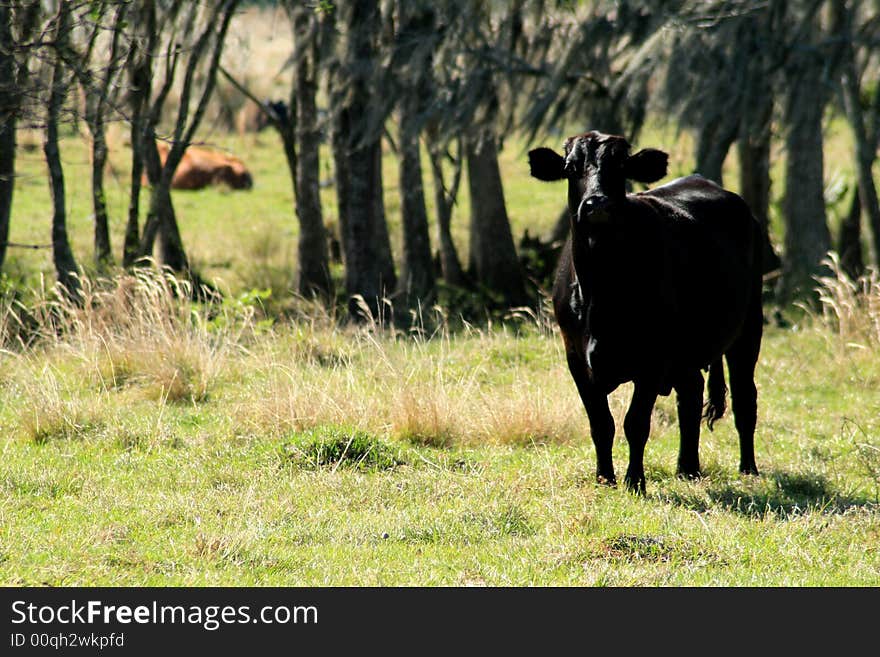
(263, 441)
(149, 442)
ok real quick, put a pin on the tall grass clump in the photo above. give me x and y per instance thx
(851, 308)
(141, 330)
(439, 388)
(53, 414)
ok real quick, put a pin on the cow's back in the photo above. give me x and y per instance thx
(712, 252)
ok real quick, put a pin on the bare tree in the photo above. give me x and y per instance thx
(359, 113)
(65, 264)
(442, 133)
(143, 50)
(757, 47)
(97, 77)
(865, 134)
(310, 32)
(807, 238)
(203, 29)
(411, 61)
(18, 22)
(493, 262)
(445, 195)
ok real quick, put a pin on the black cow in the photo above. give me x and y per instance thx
(653, 288)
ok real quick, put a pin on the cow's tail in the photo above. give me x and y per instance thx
(717, 403)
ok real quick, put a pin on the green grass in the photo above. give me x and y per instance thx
(321, 455)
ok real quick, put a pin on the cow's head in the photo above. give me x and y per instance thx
(596, 167)
(234, 174)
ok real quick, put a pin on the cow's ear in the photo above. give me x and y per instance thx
(546, 164)
(646, 166)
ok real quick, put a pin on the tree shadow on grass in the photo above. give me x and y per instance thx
(777, 493)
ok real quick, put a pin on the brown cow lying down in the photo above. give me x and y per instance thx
(201, 167)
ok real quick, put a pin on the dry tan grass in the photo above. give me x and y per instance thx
(138, 329)
(851, 308)
(440, 391)
(51, 413)
(139, 340)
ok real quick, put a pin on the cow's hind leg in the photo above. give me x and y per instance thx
(637, 426)
(601, 421)
(689, 398)
(741, 360)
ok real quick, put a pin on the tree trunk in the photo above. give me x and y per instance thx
(140, 74)
(161, 222)
(382, 236)
(97, 99)
(755, 126)
(849, 241)
(416, 25)
(842, 18)
(713, 143)
(65, 264)
(7, 178)
(160, 196)
(754, 182)
(342, 175)
(131, 241)
(103, 252)
(807, 240)
(365, 272)
(314, 269)
(369, 270)
(493, 259)
(8, 116)
(173, 255)
(849, 244)
(444, 200)
(18, 23)
(417, 272)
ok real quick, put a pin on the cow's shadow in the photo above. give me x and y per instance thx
(775, 493)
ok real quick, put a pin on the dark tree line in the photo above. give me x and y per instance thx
(456, 77)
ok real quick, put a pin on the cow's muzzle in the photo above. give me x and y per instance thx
(593, 208)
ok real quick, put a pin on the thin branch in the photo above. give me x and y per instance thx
(267, 112)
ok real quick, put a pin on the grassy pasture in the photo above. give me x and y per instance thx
(170, 446)
(146, 442)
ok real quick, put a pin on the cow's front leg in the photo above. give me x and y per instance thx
(602, 431)
(637, 426)
(601, 421)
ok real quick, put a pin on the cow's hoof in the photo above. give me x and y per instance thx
(749, 469)
(606, 480)
(635, 485)
(689, 474)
